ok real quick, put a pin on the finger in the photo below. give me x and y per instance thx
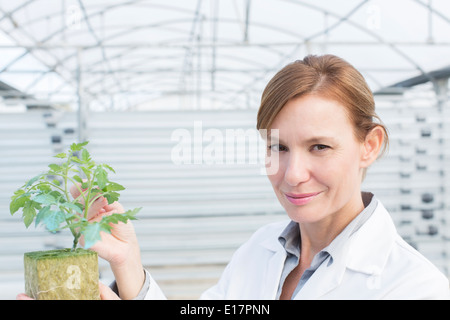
(106, 293)
(23, 296)
(115, 207)
(96, 210)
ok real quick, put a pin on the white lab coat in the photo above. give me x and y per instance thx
(374, 263)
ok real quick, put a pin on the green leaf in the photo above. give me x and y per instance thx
(85, 156)
(132, 213)
(46, 199)
(102, 177)
(115, 218)
(112, 186)
(79, 205)
(44, 187)
(50, 218)
(54, 167)
(95, 191)
(33, 180)
(92, 233)
(80, 224)
(57, 195)
(111, 196)
(76, 160)
(77, 178)
(78, 146)
(17, 203)
(41, 214)
(18, 193)
(29, 212)
(61, 155)
(72, 206)
(121, 217)
(86, 172)
(109, 168)
(54, 219)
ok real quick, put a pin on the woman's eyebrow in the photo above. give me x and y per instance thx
(320, 139)
(312, 140)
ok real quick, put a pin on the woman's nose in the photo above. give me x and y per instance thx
(297, 170)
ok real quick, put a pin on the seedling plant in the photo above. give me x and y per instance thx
(46, 200)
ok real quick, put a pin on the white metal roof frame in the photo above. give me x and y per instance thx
(141, 54)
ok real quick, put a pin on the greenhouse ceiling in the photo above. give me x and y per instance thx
(204, 54)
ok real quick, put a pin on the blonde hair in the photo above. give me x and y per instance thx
(329, 77)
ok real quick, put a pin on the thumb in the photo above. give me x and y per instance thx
(106, 293)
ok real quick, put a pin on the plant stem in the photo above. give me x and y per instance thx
(75, 183)
(86, 202)
(66, 193)
(76, 237)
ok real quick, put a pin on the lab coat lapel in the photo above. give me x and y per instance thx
(273, 269)
(354, 255)
(325, 278)
(378, 234)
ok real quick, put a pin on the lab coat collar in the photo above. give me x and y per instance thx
(369, 248)
(366, 251)
(271, 243)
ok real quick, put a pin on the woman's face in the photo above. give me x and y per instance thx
(318, 159)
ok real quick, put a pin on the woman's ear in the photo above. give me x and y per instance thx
(371, 146)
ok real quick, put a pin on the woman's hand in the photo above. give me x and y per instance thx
(23, 296)
(120, 248)
(106, 293)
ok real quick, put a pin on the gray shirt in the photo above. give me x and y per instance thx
(291, 241)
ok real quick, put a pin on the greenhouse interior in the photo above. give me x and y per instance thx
(134, 77)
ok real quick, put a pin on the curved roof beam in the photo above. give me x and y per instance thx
(155, 75)
(131, 68)
(29, 50)
(358, 26)
(436, 12)
(100, 41)
(342, 19)
(379, 39)
(290, 54)
(159, 25)
(139, 82)
(222, 20)
(114, 6)
(227, 86)
(10, 13)
(136, 63)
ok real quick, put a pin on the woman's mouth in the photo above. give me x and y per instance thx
(300, 199)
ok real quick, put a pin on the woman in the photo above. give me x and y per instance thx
(339, 243)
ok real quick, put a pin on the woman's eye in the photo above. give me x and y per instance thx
(320, 147)
(277, 148)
